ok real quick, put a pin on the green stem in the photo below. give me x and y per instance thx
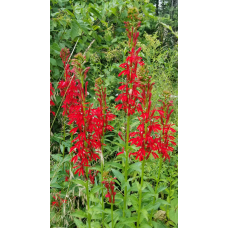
(87, 193)
(126, 167)
(112, 215)
(64, 136)
(102, 167)
(71, 144)
(156, 188)
(167, 207)
(140, 193)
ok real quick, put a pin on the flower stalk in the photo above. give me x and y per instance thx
(112, 215)
(104, 116)
(140, 194)
(87, 195)
(158, 179)
(126, 166)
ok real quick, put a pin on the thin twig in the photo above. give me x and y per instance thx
(89, 47)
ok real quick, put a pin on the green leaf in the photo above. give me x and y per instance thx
(70, 13)
(114, 164)
(94, 198)
(150, 206)
(57, 157)
(80, 182)
(135, 123)
(162, 202)
(97, 209)
(104, 23)
(173, 214)
(96, 168)
(114, 40)
(120, 144)
(118, 175)
(107, 211)
(95, 225)
(66, 144)
(170, 29)
(135, 167)
(55, 185)
(113, 10)
(158, 225)
(67, 158)
(75, 30)
(95, 27)
(61, 148)
(147, 195)
(58, 99)
(83, 26)
(145, 225)
(174, 203)
(95, 12)
(134, 201)
(79, 223)
(128, 220)
(161, 188)
(57, 138)
(144, 214)
(119, 196)
(79, 214)
(149, 187)
(53, 62)
(95, 189)
(55, 47)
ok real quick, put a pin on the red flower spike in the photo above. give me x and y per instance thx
(165, 142)
(92, 176)
(89, 121)
(109, 185)
(102, 112)
(143, 138)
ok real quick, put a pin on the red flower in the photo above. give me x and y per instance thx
(129, 94)
(145, 138)
(102, 112)
(87, 120)
(64, 54)
(166, 142)
(67, 177)
(110, 185)
(92, 175)
(58, 200)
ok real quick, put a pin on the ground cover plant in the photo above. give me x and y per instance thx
(114, 159)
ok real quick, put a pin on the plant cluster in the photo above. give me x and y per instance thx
(146, 146)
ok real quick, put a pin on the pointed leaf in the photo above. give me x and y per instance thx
(79, 214)
(118, 175)
(95, 12)
(80, 182)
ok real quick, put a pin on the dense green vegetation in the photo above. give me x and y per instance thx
(96, 29)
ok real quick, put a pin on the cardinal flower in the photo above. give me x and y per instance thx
(110, 185)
